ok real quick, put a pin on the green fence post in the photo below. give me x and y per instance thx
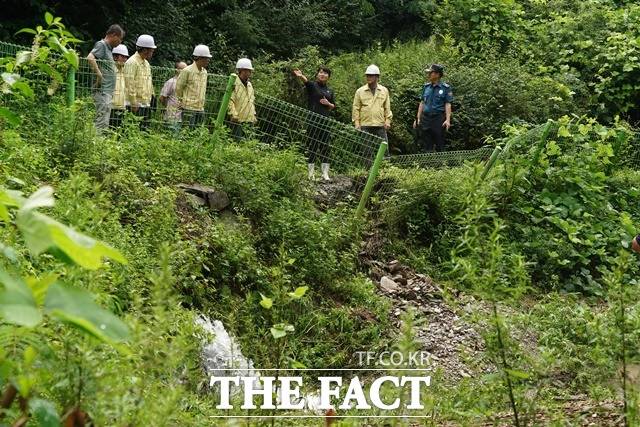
(490, 162)
(373, 172)
(543, 139)
(71, 86)
(225, 101)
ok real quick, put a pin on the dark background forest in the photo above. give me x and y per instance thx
(510, 61)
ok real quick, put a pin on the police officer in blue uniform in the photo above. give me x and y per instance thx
(434, 111)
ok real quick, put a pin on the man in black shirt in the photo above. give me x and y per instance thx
(320, 100)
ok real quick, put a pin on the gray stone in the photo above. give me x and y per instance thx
(388, 284)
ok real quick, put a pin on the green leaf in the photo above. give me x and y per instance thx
(10, 78)
(280, 330)
(564, 132)
(48, 18)
(40, 286)
(42, 233)
(266, 302)
(22, 57)
(72, 58)
(299, 292)
(44, 413)
(76, 307)
(517, 374)
(26, 31)
(9, 116)
(42, 198)
(17, 304)
(278, 333)
(50, 71)
(24, 88)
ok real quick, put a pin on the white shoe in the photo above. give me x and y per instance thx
(310, 168)
(325, 171)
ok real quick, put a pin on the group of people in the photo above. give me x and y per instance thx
(124, 83)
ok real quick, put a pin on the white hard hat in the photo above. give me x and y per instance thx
(202, 51)
(120, 50)
(145, 40)
(372, 70)
(244, 64)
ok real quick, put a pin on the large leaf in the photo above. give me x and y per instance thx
(266, 302)
(76, 307)
(72, 58)
(11, 117)
(44, 413)
(17, 304)
(43, 198)
(299, 292)
(42, 233)
(280, 330)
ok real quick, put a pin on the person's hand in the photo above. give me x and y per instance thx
(446, 124)
(135, 108)
(326, 102)
(98, 81)
(299, 75)
(416, 123)
(387, 126)
(358, 127)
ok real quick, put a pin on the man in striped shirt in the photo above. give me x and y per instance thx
(191, 87)
(139, 85)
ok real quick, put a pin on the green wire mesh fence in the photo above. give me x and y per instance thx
(350, 152)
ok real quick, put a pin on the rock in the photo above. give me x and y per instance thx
(400, 279)
(196, 200)
(217, 200)
(394, 266)
(388, 284)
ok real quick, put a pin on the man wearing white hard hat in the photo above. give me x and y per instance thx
(191, 87)
(101, 62)
(372, 105)
(242, 107)
(139, 85)
(120, 56)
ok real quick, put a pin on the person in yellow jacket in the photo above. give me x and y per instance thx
(138, 80)
(242, 108)
(120, 55)
(191, 87)
(372, 105)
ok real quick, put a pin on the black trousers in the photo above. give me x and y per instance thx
(192, 118)
(371, 145)
(145, 113)
(432, 132)
(116, 118)
(318, 143)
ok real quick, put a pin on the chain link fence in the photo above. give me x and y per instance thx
(359, 161)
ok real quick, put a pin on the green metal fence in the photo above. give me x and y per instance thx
(358, 157)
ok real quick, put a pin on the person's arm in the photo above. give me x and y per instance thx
(93, 64)
(355, 110)
(387, 112)
(447, 115)
(233, 101)
(328, 102)
(165, 92)
(300, 76)
(416, 123)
